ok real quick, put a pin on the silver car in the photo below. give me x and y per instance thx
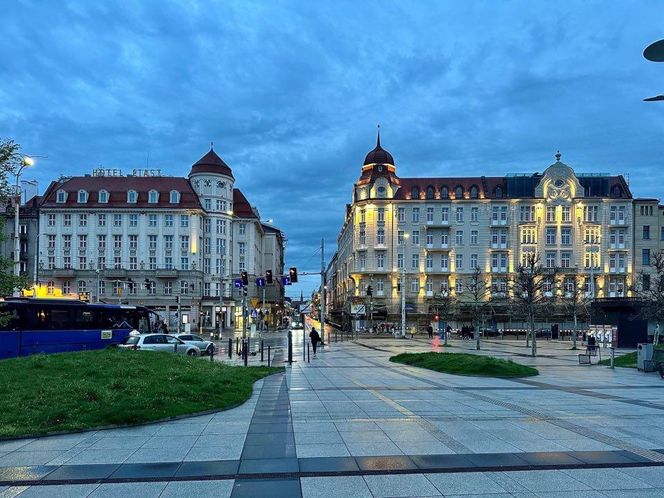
(206, 347)
(159, 342)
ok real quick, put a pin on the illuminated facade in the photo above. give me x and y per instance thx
(434, 232)
(171, 243)
(648, 239)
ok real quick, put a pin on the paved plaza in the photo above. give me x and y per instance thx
(352, 424)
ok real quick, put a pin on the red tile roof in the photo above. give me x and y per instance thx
(211, 163)
(118, 187)
(486, 185)
(241, 206)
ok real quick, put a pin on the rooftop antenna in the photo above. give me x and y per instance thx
(211, 145)
(627, 178)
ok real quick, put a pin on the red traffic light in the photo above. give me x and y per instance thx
(268, 276)
(292, 273)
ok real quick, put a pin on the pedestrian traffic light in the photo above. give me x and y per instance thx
(399, 287)
(245, 278)
(369, 290)
(436, 318)
(293, 274)
(268, 276)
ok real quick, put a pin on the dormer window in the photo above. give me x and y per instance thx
(499, 192)
(103, 197)
(458, 192)
(474, 193)
(415, 193)
(430, 192)
(175, 197)
(132, 197)
(82, 197)
(153, 197)
(61, 197)
(444, 193)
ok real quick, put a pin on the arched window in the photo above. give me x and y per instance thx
(474, 193)
(175, 197)
(430, 192)
(82, 197)
(415, 193)
(132, 197)
(153, 197)
(82, 286)
(103, 197)
(458, 192)
(61, 197)
(444, 192)
(498, 193)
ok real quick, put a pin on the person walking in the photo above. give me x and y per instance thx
(315, 338)
(430, 331)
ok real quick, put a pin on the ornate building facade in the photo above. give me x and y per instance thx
(435, 232)
(173, 244)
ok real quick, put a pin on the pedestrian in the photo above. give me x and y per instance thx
(430, 331)
(313, 335)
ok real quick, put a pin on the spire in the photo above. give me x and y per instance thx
(558, 156)
(301, 296)
(211, 145)
(378, 139)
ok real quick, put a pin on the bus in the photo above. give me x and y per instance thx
(30, 326)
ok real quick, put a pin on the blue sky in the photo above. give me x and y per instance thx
(291, 92)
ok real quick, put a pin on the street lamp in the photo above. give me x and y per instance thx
(655, 53)
(406, 236)
(25, 162)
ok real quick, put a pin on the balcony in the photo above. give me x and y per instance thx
(499, 223)
(60, 272)
(499, 245)
(617, 269)
(499, 269)
(617, 246)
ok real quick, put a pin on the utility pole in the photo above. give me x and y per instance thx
(244, 312)
(263, 308)
(322, 290)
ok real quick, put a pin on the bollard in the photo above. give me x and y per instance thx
(290, 347)
(613, 355)
(268, 356)
(261, 350)
(212, 356)
(237, 346)
(308, 354)
(230, 348)
(246, 352)
(304, 344)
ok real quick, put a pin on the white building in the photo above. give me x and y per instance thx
(173, 244)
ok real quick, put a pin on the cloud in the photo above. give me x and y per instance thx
(291, 92)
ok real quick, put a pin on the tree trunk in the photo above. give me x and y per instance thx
(533, 344)
(575, 330)
(476, 332)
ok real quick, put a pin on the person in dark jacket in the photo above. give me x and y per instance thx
(315, 338)
(430, 331)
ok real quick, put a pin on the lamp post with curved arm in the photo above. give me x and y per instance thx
(25, 162)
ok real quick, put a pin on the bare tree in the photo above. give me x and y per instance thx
(651, 292)
(575, 300)
(479, 292)
(531, 287)
(443, 305)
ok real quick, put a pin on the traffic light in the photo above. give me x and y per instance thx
(268, 276)
(245, 278)
(293, 274)
(369, 290)
(436, 318)
(399, 287)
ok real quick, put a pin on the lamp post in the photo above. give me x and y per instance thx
(25, 162)
(403, 288)
(655, 53)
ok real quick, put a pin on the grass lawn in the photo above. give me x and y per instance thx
(627, 360)
(68, 391)
(465, 364)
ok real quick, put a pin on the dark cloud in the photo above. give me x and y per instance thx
(291, 92)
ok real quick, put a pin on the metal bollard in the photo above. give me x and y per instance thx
(230, 348)
(308, 354)
(212, 356)
(290, 347)
(237, 346)
(261, 350)
(246, 352)
(268, 356)
(613, 356)
(304, 344)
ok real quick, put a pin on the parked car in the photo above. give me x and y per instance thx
(159, 342)
(296, 325)
(206, 347)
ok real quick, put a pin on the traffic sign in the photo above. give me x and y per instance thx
(260, 282)
(253, 313)
(238, 283)
(285, 280)
(254, 302)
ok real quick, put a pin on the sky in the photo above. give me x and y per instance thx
(290, 92)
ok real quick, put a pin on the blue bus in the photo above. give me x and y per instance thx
(29, 326)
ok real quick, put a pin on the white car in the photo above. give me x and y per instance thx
(159, 342)
(206, 347)
(296, 325)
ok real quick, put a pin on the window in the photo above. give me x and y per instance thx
(458, 261)
(153, 197)
(498, 193)
(550, 260)
(103, 197)
(67, 220)
(132, 197)
(429, 239)
(473, 261)
(184, 243)
(117, 220)
(132, 263)
(133, 220)
(50, 241)
(207, 243)
(133, 242)
(101, 262)
(444, 239)
(184, 287)
(67, 263)
(645, 254)
(168, 263)
(82, 220)
(117, 242)
(474, 214)
(430, 192)
(207, 204)
(399, 237)
(591, 235)
(168, 220)
(459, 237)
(82, 242)
(429, 215)
(362, 261)
(168, 288)
(184, 263)
(444, 193)
(168, 242)
(399, 261)
(66, 242)
(416, 215)
(401, 214)
(565, 259)
(444, 262)
(381, 215)
(241, 248)
(550, 236)
(459, 215)
(242, 228)
(82, 197)
(152, 220)
(380, 236)
(82, 262)
(527, 214)
(550, 214)
(458, 192)
(415, 262)
(174, 197)
(416, 237)
(51, 222)
(380, 260)
(566, 236)
(528, 235)
(474, 193)
(184, 220)
(591, 213)
(61, 197)
(101, 243)
(415, 193)
(646, 232)
(591, 260)
(445, 215)
(474, 235)
(362, 236)
(566, 214)
(101, 220)
(458, 286)
(429, 262)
